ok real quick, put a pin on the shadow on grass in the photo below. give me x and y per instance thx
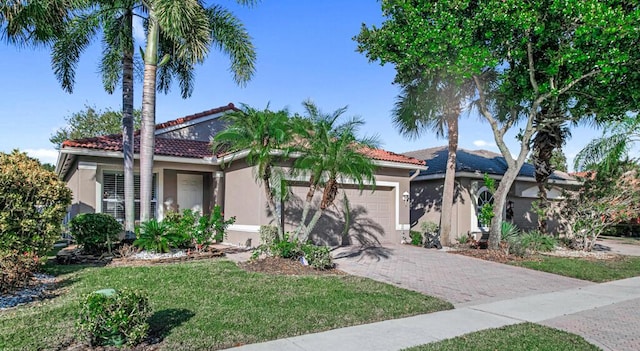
(162, 322)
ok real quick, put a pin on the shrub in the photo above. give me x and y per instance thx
(181, 225)
(319, 257)
(33, 202)
(191, 226)
(463, 239)
(155, 236)
(268, 235)
(429, 227)
(218, 224)
(114, 318)
(416, 238)
(16, 269)
(537, 241)
(286, 248)
(509, 232)
(95, 232)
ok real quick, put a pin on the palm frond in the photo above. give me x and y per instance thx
(185, 22)
(229, 35)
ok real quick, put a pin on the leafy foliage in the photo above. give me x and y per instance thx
(416, 238)
(95, 232)
(574, 54)
(155, 236)
(117, 319)
(318, 257)
(600, 204)
(537, 241)
(16, 269)
(33, 202)
(91, 122)
(190, 227)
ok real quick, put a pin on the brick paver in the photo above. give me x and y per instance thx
(461, 280)
(614, 327)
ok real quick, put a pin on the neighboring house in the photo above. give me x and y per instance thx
(188, 176)
(471, 192)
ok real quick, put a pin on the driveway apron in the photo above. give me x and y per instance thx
(461, 280)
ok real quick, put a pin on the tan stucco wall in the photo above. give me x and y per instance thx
(82, 182)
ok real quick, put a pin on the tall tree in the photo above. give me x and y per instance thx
(331, 151)
(91, 122)
(434, 104)
(181, 32)
(266, 136)
(500, 51)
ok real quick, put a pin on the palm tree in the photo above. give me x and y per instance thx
(330, 152)
(433, 105)
(607, 153)
(184, 30)
(266, 136)
(47, 22)
(551, 134)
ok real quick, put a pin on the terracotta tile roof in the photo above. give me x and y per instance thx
(163, 146)
(200, 149)
(384, 155)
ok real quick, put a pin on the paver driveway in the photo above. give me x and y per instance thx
(461, 280)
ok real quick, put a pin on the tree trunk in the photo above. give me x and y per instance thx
(328, 197)
(147, 137)
(127, 133)
(312, 224)
(307, 206)
(271, 203)
(449, 181)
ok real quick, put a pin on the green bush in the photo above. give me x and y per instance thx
(190, 226)
(429, 227)
(416, 238)
(537, 241)
(218, 224)
(95, 232)
(286, 248)
(463, 239)
(509, 232)
(319, 257)
(16, 269)
(33, 202)
(156, 236)
(182, 226)
(114, 318)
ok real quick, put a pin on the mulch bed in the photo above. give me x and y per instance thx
(284, 266)
(490, 255)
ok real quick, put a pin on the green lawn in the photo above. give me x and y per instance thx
(519, 337)
(214, 304)
(586, 269)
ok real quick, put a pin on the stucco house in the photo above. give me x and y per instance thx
(188, 175)
(471, 193)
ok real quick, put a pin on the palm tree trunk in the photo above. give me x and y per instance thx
(147, 137)
(307, 206)
(312, 224)
(449, 180)
(127, 133)
(271, 203)
(328, 196)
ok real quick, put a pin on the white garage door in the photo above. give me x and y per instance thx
(372, 215)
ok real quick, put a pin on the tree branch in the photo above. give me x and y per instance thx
(532, 76)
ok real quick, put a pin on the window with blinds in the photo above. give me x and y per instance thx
(113, 195)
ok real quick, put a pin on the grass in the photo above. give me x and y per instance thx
(214, 304)
(586, 269)
(518, 337)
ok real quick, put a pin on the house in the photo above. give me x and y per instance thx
(471, 193)
(187, 175)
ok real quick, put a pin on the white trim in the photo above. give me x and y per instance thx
(160, 194)
(190, 123)
(400, 165)
(99, 186)
(248, 228)
(87, 165)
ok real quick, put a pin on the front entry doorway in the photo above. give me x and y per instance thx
(190, 192)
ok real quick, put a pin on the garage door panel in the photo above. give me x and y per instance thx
(372, 218)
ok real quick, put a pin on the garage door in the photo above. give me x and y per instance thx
(371, 217)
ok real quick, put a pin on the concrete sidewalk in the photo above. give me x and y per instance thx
(573, 310)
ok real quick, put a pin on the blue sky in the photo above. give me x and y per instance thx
(305, 51)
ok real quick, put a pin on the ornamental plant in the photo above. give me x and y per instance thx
(33, 202)
(95, 232)
(117, 318)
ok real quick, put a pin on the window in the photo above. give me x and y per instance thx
(484, 197)
(113, 195)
